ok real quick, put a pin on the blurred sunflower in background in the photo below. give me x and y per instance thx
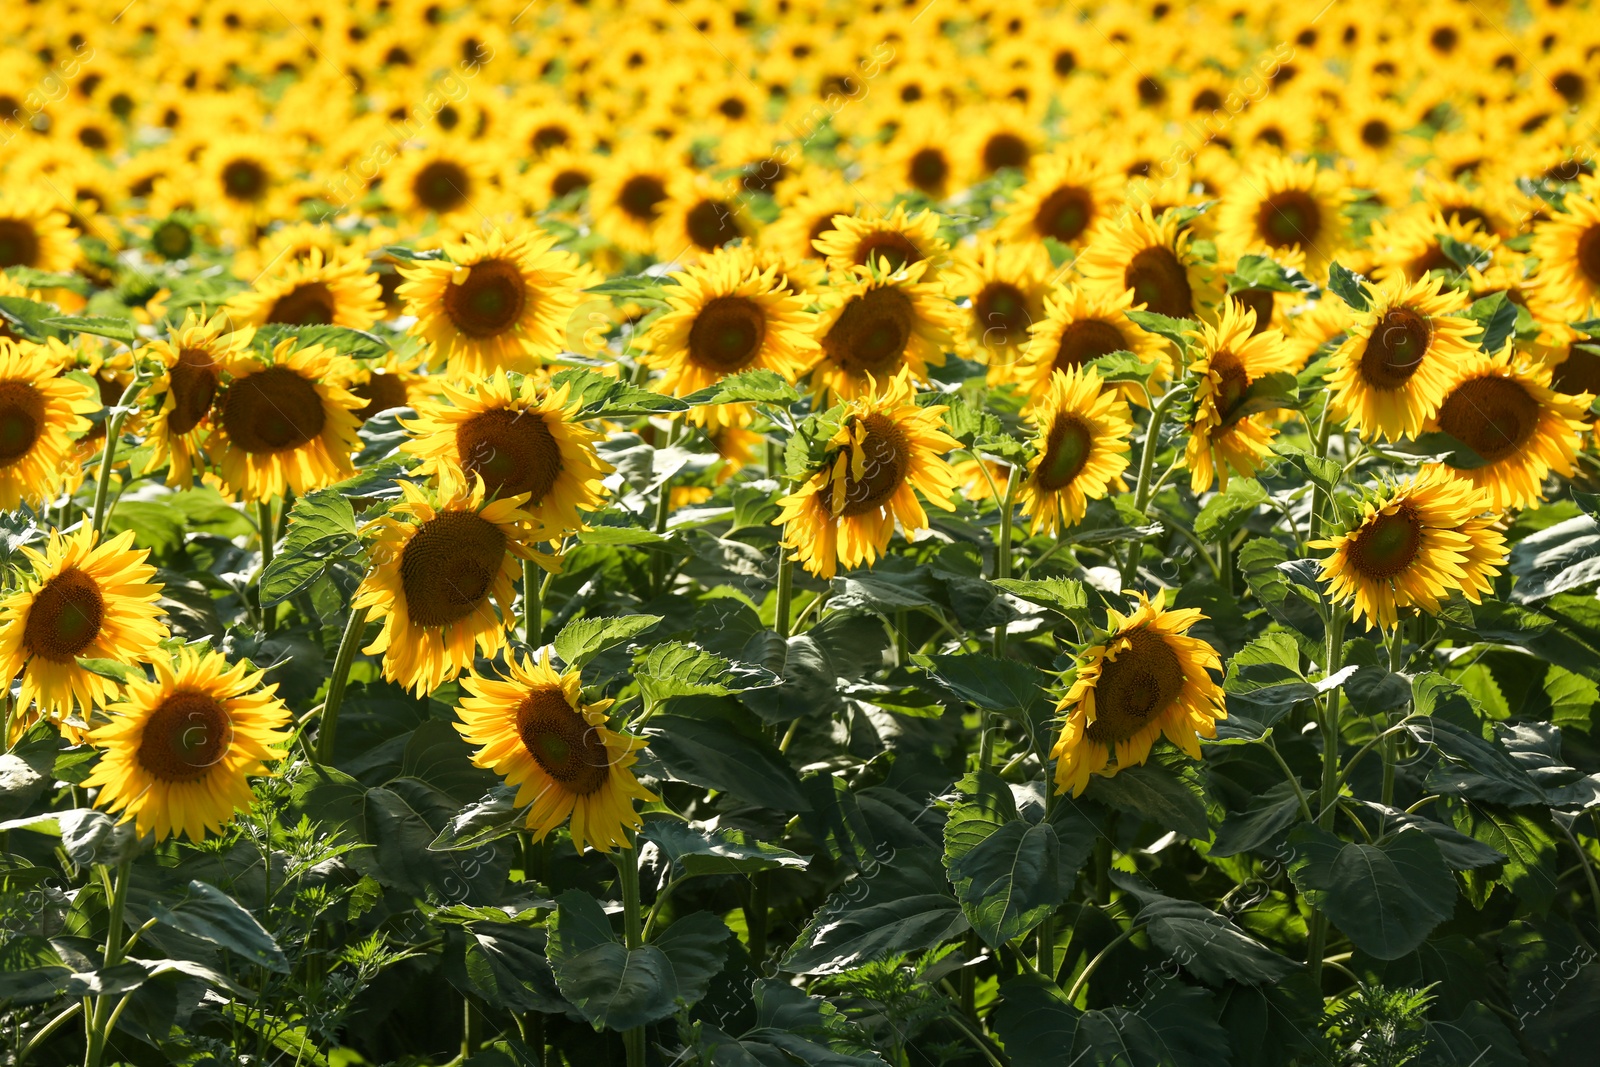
(313, 292)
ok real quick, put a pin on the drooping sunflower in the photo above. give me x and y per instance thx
(538, 734)
(445, 565)
(39, 413)
(521, 440)
(1232, 359)
(495, 304)
(726, 317)
(1390, 374)
(178, 753)
(34, 232)
(1289, 211)
(888, 242)
(1068, 199)
(872, 324)
(1147, 678)
(194, 356)
(1416, 544)
(313, 292)
(83, 598)
(1567, 246)
(282, 421)
(1150, 256)
(1503, 409)
(1081, 449)
(1078, 328)
(886, 451)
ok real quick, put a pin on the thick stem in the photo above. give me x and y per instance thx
(780, 621)
(108, 458)
(1317, 929)
(760, 890)
(96, 1021)
(532, 605)
(1083, 979)
(264, 528)
(354, 628)
(627, 864)
(1391, 741)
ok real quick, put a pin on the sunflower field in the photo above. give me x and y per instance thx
(799, 533)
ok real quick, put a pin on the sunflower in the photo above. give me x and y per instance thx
(178, 753)
(448, 179)
(1005, 286)
(1391, 373)
(520, 440)
(389, 383)
(1068, 199)
(1233, 357)
(1152, 258)
(313, 292)
(872, 324)
(1147, 678)
(700, 216)
(537, 733)
(809, 204)
(39, 414)
(282, 421)
(495, 304)
(726, 317)
(193, 356)
(1078, 328)
(888, 242)
(82, 599)
(1410, 244)
(1081, 449)
(442, 579)
(1416, 544)
(1567, 246)
(1289, 211)
(628, 196)
(887, 449)
(34, 233)
(1504, 410)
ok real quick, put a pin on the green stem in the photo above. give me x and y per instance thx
(780, 621)
(108, 458)
(1141, 491)
(264, 528)
(1083, 979)
(1002, 550)
(49, 1028)
(759, 906)
(354, 628)
(1317, 929)
(1319, 497)
(1390, 739)
(532, 605)
(97, 1020)
(627, 864)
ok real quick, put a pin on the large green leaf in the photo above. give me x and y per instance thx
(1265, 821)
(697, 945)
(322, 528)
(1204, 943)
(1558, 559)
(208, 913)
(1224, 510)
(583, 639)
(676, 669)
(505, 964)
(1172, 799)
(1037, 1023)
(1386, 898)
(612, 986)
(710, 754)
(696, 852)
(1008, 884)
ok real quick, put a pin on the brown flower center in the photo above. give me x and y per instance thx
(1064, 214)
(65, 617)
(1233, 382)
(307, 304)
(1066, 452)
(886, 459)
(1494, 417)
(512, 450)
(272, 410)
(928, 171)
(244, 179)
(568, 181)
(1136, 687)
(1289, 218)
(1589, 253)
(1261, 302)
(382, 391)
(489, 301)
(641, 197)
(562, 742)
(21, 416)
(1004, 150)
(1160, 283)
(1375, 133)
(1387, 544)
(889, 245)
(1395, 348)
(710, 224)
(172, 240)
(1579, 372)
(19, 244)
(871, 333)
(441, 186)
(448, 567)
(185, 737)
(1001, 312)
(193, 382)
(1085, 341)
(727, 334)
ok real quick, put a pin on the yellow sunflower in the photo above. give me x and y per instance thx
(1152, 258)
(628, 197)
(34, 233)
(726, 317)
(1081, 449)
(1567, 246)
(1422, 540)
(886, 451)
(537, 733)
(1005, 287)
(194, 355)
(313, 292)
(444, 567)
(1147, 678)
(389, 383)
(178, 753)
(495, 303)
(888, 242)
(1232, 359)
(39, 414)
(1504, 410)
(81, 600)
(282, 422)
(522, 441)
(1289, 211)
(873, 324)
(1390, 374)
(1068, 199)
(1078, 328)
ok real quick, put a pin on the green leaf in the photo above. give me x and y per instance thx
(1224, 510)
(1008, 883)
(28, 318)
(1496, 317)
(1261, 561)
(489, 819)
(122, 330)
(1528, 843)
(751, 386)
(1264, 677)
(1204, 943)
(1175, 1027)
(713, 756)
(1271, 392)
(612, 986)
(1261, 272)
(695, 852)
(1005, 685)
(1170, 799)
(1461, 852)
(506, 965)
(1065, 595)
(1349, 286)
(116, 670)
(34, 278)
(1386, 898)
(600, 396)
(1037, 1022)
(807, 447)
(1558, 559)
(581, 640)
(631, 287)
(321, 529)
(1464, 255)
(1180, 332)
(677, 669)
(697, 946)
(843, 934)
(210, 914)
(1123, 366)
(1262, 823)
(358, 344)
(1476, 1037)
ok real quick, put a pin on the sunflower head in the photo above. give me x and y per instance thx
(874, 324)
(1080, 451)
(1225, 436)
(194, 356)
